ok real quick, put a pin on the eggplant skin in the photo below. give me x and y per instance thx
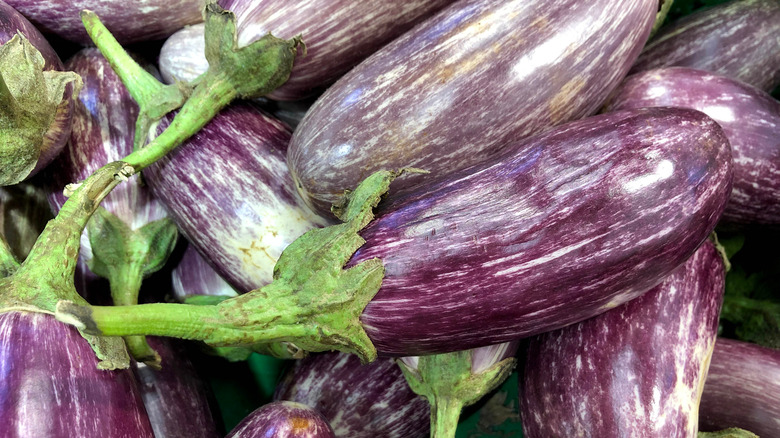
(283, 419)
(359, 401)
(749, 116)
(50, 385)
(456, 89)
(563, 227)
(634, 371)
(737, 39)
(742, 389)
(143, 20)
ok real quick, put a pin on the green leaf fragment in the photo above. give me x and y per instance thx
(728, 433)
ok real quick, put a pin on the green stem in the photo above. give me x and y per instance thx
(445, 414)
(125, 286)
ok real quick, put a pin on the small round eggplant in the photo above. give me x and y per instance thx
(283, 419)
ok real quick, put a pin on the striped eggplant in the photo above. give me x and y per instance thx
(57, 135)
(750, 118)
(175, 397)
(50, 385)
(568, 225)
(338, 35)
(464, 84)
(283, 419)
(145, 20)
(229, 190)
(742, 389)
(634, 371)
(738, 39)
(359, 401)
(194, 276)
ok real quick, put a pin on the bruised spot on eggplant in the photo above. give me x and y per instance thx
(299, 424)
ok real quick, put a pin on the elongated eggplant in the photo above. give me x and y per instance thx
(359, 401)
(738, 39)
(283, 419)
(749, 117)
(742, 389)
(229, 190)
(194, 276)
(634, 371)
(151, 20)
(572, 223)
(50, 386)
(464, 84)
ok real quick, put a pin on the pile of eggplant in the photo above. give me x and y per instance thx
(447, 192)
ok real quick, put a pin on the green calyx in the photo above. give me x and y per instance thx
(29, 98)
(728, 433)
(660, 16)
(447, 382)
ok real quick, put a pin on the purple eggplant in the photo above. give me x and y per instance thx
(738, 39)
(359, 401)
(142, 21)
(749, 117)
(194, 276)
(175, 397)
(742, 389)
(283, 419)
(229, 190)
(634, 371)
(50, 385)
(464, 84)
(337, 34)
(570, 224)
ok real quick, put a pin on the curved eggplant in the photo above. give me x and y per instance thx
(50, 385)
(283, 419)
(634, 371)
(151, 20)
(570, 224)
(749, 117)
(742, 389)
(359, 401)
(229, 191)
(738, 39)
(194, 276)
(466, 83)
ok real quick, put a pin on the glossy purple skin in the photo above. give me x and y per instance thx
(567, 225)
(12, 22)
(466, 83)
(50, 385)
(283, 420)
(175, 397)
(742, 389)
(634, 371)
(750, 118)
(229, 191)
(359, 401)
(737, 39)
(194, 276)
(143, 20)
(338, 34)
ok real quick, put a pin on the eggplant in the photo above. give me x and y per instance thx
(570, 224)
(229, 191)
(737, 39)
(750, 118)
(742, 389)
(283, 420)
(466, 83)
(152, 20)
(194, 276)
(50, 385)
(634, 371)
(338, 35)
(359, 401)
(24, 212)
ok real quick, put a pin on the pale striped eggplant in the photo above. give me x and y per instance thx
(50, 385)
(194, 276)
(359, 401)
(458, 88)
(570, 224)
(738, 39)
(229, 190)
(283, 419)
(143, 20)
(634, 371)
(742, 389)
(338, 35)
(750, 118)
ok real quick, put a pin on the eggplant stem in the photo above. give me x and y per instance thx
(445, 414)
